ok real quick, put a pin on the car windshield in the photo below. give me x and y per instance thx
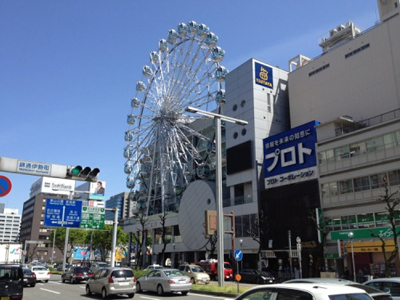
(173, 273)
(197, 269)
(227, 266)
(82, 269)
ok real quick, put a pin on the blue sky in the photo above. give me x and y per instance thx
(68, 68)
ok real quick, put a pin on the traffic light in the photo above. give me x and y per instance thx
(79, 173)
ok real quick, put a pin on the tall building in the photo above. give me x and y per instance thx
(10, 221)
(319, 140)
(34, 234)
(353, 90)
(125, 206)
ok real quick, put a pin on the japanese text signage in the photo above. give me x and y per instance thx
(290, 155)
(92, 217)
(34, 168)
(264, 75)
(62, 213)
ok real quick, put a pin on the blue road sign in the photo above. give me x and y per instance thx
(238, 254)
(62, 213)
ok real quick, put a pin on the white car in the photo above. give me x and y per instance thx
(42, 273)
(306, 291)
(389, 285)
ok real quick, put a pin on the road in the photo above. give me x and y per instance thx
(55, 289)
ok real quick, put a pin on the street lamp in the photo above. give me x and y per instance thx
(218, 181)
(298, 240)
(350, 235)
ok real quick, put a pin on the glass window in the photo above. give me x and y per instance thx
(377, 180)
(394, 177)
(375, 144)
(388, 140)
(345, 186)
(238, 226)
(246, 225)
(361, 184)
(355, 150)
(333, 188)
(382, 218)
(342, 152)
(365, 220)
(330, 156)
(325, 190)
(396, 137)
(322, 157)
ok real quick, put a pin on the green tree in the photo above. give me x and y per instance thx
(76, 236)
(102, 239)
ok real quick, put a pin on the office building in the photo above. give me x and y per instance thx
(10, 221)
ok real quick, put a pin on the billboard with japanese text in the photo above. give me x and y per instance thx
(290, 156)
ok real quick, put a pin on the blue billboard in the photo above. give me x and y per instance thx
(264, 75)
(290, 151)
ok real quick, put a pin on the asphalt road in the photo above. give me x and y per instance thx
(55, 289)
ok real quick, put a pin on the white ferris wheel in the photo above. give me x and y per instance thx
(165, 147)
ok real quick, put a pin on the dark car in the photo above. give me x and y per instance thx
(29, 277)
(60, 268)
(11, 281)
(77, 274)
(255, 276)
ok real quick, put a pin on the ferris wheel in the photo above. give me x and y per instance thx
(165, 147)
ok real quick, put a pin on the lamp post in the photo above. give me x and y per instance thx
(298, 240)
(351, 236)
(218, 181)
(54, 239)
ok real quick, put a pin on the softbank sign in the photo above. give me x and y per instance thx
(290, 156)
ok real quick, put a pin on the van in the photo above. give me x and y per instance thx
(11, 281)
(195, 272)
(211, 268)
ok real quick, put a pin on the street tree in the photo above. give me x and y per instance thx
(102, 240)
(140, 237)
(163, 229)
(391, 202)
(75, 236)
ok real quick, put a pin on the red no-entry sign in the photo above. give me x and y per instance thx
(5, 186)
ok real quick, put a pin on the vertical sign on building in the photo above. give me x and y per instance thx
(290, 156)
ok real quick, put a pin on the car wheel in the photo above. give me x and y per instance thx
(138, 287)
(184, 293)
(62, 279)
(88, 292)
(104, 294)
(71, 280)
(131, 295)
(32, 284)
(160, 290)
(46, 281)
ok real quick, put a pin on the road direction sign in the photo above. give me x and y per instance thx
(238, 255)
(5, 186)
(62, 213)
(92, 217)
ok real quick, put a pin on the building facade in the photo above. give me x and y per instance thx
(10, 221)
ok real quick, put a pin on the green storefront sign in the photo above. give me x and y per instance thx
(384, 232)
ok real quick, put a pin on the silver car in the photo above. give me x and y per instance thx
(112, 281)
(164, 281)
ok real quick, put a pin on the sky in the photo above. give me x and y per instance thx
(68, 69)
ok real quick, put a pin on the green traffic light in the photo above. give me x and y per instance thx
(76, 170)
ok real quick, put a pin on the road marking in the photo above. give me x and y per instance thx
(143, 297)
(50, 291)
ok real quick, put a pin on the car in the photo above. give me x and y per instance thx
(304, 291)
(77, 274)
(112, 281)
(11, 281)
(373, 292)
(389, 285)
(256, 276)
(195, 272)
(163, 281)
(60, 267)
(42, 273)
(98, 265)
(154, 267)
(29, 277)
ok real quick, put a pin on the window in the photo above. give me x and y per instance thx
(345, 186)
(377, 180)
(342, 152)
(388, 140)
(394, 177)
(375, 144)
(361, 184)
